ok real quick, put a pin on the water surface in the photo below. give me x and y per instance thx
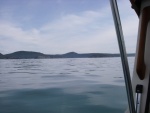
(79, 85)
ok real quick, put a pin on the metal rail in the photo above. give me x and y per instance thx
(122, 49)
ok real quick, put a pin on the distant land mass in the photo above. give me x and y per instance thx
(38, 55)
(1, 56)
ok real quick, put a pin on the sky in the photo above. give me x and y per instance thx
(61, 26)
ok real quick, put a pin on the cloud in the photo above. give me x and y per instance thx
(130, 23)
(87, 31)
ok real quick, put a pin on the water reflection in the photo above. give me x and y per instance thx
(96, 98)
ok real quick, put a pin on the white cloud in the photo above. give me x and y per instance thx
(130, 25)
(89, 31)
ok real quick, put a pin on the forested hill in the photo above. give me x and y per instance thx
(1, 56)
(38, 55)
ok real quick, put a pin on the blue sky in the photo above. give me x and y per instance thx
(61, 26)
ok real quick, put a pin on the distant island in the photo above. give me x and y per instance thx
(38, 55)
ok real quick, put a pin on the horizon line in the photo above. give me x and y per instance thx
(61, 53)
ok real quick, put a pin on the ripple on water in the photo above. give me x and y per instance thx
(120, 81)
(56, 76)
(15, 72)
(52, 87)
(93, 75)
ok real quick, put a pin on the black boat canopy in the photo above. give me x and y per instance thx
(136, 5)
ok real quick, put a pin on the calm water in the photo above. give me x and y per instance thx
(62, 86)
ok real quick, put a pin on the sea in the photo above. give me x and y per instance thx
(71, 85)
